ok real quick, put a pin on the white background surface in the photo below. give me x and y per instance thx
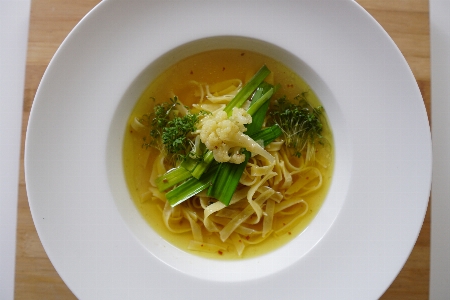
(440, 109)
(14, 19)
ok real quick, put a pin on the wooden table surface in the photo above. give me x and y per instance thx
(406, 21)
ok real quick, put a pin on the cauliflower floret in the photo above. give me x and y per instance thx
(225, 136)
(240, 117)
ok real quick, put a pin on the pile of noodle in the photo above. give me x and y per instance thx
(266, 192)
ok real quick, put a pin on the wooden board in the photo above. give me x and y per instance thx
(406, 21)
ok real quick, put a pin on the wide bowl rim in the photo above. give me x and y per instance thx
(363, 266)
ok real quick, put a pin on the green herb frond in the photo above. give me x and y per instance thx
(169, 132)
(300, 122)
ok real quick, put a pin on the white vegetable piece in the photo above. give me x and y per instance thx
(225, 136)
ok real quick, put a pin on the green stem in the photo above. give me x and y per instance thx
(171, 178)
(190, 187)
(247, 90)
(227, 179)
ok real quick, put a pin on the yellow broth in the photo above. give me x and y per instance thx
(211, 67)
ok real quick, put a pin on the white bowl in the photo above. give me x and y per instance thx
(93, 233)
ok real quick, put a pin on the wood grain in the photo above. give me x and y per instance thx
(406, 21)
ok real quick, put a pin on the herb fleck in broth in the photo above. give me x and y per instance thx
(181, 80)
